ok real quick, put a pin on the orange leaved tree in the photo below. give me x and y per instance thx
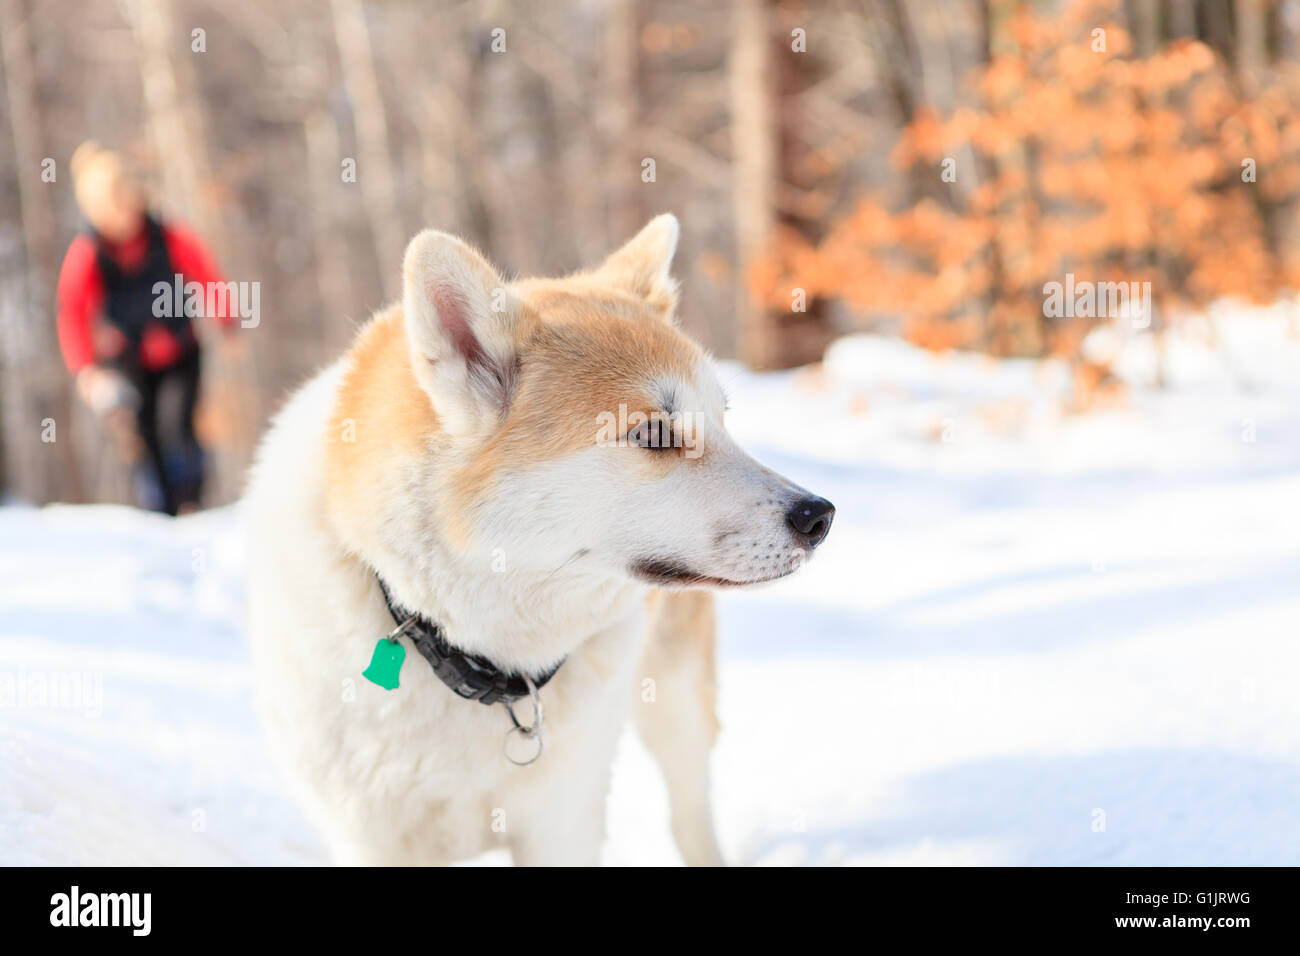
(1084, 160)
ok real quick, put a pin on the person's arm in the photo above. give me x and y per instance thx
(193, 261)
(80, 295)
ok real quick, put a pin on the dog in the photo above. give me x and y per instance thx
(453, 511)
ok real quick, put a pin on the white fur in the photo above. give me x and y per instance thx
(419, 775)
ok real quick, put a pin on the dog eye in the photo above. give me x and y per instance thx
(655, 433)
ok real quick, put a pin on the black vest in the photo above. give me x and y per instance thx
(129, 297)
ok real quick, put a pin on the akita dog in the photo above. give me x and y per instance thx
(450, 486)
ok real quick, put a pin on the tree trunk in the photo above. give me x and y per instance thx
(754, 147)
(1252, 53)
(370, 119)
(766, 147)
(1182, 18)
(329, 247)
(36, 388)
(620, 103)
(1146, 26)
(801, 337)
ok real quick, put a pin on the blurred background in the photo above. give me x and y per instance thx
(1061, 588)
(917, 168)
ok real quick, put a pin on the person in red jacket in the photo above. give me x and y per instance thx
(131, 346)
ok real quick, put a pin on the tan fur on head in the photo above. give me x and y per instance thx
(591, 341)
(590, 338)
(641, 267)
(474, 383)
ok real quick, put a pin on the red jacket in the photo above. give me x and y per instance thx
(83, 338)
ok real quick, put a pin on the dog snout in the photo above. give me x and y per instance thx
(810, 520)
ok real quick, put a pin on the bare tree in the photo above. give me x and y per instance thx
(370, 118)
(620, 111)
(754, 146)
(35, 392)
(1252, 51)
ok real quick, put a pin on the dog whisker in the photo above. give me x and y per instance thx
(581, 552)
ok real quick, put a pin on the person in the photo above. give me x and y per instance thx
(131, 348)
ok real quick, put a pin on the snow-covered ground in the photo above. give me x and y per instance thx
(1032, 637)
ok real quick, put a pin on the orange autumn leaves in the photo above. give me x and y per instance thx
(1069, 158)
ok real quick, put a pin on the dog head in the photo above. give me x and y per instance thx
(587, 426)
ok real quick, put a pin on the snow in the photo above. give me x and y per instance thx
(1031, 638)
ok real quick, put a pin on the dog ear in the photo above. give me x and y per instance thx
(642, 266)
(461, 325)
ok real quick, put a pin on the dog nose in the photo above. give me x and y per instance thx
(810, 518)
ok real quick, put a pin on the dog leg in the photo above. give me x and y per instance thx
(676, 715)
(562, 827)
(561, 847)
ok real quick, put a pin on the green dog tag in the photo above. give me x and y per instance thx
(385, 664)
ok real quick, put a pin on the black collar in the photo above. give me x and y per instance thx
(468, 675)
